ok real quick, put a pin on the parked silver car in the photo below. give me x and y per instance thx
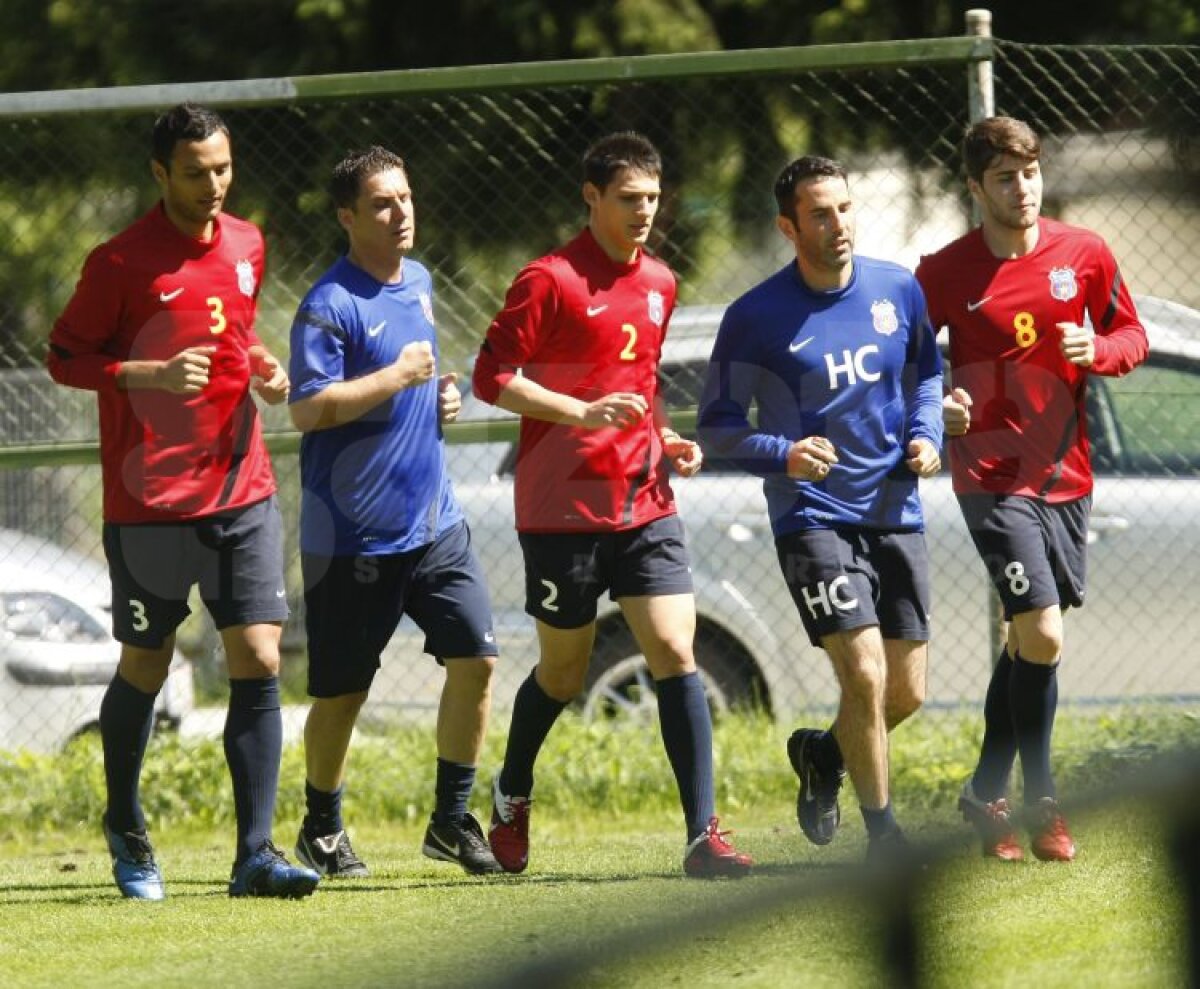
(57, 653)
(1132, 639)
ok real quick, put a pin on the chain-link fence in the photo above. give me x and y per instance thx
(493, 158)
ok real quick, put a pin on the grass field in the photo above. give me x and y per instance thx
(601, 885)
(605, 880)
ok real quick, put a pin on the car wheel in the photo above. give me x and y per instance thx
(619, 685)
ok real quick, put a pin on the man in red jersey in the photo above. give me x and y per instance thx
(161, 327)
(575, 352)
(1016, 295)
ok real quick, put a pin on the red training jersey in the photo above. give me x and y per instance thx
(579, 323)
(147, 294)
(1028, 432)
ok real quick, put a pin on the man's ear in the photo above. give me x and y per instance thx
(786, 227)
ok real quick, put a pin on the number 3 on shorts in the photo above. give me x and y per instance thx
(140, 621)
(551, 595)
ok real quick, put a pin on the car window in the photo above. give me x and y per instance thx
(681, 384)
(1157, 410)
(46, 617)
(1104, 433)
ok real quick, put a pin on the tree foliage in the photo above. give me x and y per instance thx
(55, 44)
(63, 44)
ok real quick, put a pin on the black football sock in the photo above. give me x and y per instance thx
(687, 736)
(533, 715)
(452, 791)
(324, 811)
(999, 747)
(827, 754)
(126, 720)
(879, 822)
(253, 745)
(1034, 700)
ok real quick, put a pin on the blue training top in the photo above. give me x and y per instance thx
(377, 484)
(857, 365)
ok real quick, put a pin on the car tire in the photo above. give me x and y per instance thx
(619, 685)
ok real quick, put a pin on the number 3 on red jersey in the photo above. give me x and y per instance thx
(217, 314)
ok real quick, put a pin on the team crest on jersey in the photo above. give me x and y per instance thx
(883, 316)
(426, 306)
(1062, 284)
(245, 277)
(654, 303)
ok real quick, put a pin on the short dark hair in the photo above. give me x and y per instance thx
(184, 122)
(993, 137)
(348, 174)
(801, 170)
(617, 152)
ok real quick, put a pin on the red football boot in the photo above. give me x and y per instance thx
(710, 856)
(993, 822)
(509, 831)
(1051, 841)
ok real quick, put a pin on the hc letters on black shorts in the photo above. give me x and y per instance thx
(846, 579)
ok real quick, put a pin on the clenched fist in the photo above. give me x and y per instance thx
(956, 412)
(416, 364)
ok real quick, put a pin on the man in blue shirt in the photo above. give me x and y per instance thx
(837, 353)
(381, 533)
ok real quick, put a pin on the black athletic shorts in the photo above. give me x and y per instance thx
(566, 572)
(843, 579)
(1035, 552)
(236, 558)
(354, 603)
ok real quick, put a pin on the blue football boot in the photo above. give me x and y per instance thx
(268, 873)
(137, 874)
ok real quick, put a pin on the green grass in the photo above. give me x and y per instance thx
(1109, 919)
(605, 874)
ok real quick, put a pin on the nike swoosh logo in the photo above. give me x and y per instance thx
(452, 849)
(375, 330)
(797, 347)
(168, 296)
(328, 843)
(280, 594)
(595, 310)
(972, 306)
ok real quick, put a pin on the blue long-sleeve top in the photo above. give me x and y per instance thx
(858, 365)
